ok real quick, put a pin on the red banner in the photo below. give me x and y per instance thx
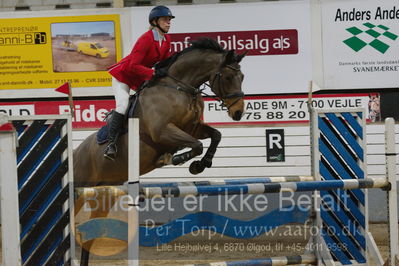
(257, 42)
(88, 114)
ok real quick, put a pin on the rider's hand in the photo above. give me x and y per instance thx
(160, 72)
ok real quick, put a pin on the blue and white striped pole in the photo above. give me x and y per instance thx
(241, 181)
(239, 189)
(262, 188)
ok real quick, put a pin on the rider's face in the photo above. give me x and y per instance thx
(164, 23)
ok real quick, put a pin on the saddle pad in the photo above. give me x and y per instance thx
(102, 135)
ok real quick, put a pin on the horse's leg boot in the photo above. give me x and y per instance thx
(114, 129)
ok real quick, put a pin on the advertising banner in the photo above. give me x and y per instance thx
(263, 42)
(45, 52)
(360, 43)
(275, 35)
(90, 114)
(291, 109)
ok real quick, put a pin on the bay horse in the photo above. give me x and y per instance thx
(170, 110)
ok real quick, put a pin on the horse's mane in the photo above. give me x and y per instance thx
(203, 43)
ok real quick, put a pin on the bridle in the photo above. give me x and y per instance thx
(223, 97)
(217, 78)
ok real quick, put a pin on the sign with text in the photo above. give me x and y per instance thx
(259, 110)
(360, 43)
(275, 148)
(88, 114)
(290, 109)
(278, 41)
(45, 52)
(262, 42)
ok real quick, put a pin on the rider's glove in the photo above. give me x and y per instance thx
(160, 72)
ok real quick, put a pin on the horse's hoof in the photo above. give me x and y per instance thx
(206, 162)
(196, 167)
(176, 160)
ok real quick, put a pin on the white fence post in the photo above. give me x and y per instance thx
(9, 197)
(390, 154)
(133, 189)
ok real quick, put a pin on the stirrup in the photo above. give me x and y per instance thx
(110, 151)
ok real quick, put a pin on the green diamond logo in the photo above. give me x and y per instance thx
(390, 35)
(383, 27)
(379, 46)
(373, 33)
(378, 37)
(354, 30)
(369, 25)
(355, 43)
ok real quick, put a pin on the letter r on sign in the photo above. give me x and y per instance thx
(275, 149)
(275, 139)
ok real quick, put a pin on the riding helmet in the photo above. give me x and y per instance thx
(160, 11)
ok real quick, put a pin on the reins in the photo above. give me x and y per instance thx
(186, 87)
(195, 91)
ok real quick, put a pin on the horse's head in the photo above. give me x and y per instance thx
(226, 84)
(205, 60)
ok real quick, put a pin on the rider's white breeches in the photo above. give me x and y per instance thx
(121, 92)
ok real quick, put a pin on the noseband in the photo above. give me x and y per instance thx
(223, 97)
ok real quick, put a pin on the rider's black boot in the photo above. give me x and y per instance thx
(114, 128)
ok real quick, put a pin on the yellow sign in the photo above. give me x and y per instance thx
(47, 52)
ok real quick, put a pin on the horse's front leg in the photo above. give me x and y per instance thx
(205, 131)
(175, 137)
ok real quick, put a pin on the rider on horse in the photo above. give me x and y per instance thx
(136, 68)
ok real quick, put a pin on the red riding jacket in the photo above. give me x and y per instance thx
(135, 68)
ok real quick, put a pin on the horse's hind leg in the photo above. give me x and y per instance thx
(78, 204)
(205, 131)
(85, 251)
(84, 257)
(100, 206)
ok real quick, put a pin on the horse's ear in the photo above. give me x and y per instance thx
(229, 58)
(239, 57)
